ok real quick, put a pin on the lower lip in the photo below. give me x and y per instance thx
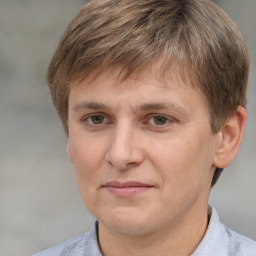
(127, 191)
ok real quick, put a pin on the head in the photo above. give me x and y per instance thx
(195, 38)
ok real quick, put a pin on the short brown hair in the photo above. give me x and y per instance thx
(196, 35)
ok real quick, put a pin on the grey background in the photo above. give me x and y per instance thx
(39, 202)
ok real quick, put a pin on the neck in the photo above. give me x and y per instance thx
(181, 239)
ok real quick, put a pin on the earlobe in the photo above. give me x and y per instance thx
(230, 138)
(69, 152)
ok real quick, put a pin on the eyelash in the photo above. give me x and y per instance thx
(166, 120)
(88, 119)
(106, 120)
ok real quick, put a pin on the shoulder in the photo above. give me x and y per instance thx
(66, 248)
(85, 244)
(240, 245)
(220, 240)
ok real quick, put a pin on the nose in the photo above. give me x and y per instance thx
(125, 151)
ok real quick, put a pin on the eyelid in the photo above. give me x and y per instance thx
(168, 118)
(86, 117)
(93, 114)
(108, 120)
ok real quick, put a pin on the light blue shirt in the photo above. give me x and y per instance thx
(218, 241)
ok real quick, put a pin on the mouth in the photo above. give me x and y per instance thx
(126, 189)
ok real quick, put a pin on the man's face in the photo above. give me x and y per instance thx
(143, 151)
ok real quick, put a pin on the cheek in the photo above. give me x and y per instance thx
(88, 157)
(169, 157)
(87, 154)
(87, 161)
(182, 162)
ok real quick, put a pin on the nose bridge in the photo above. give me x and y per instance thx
(124, 151)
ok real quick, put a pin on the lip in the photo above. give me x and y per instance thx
(126, 189)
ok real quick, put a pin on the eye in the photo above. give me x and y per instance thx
(95, 120)
(159, 120)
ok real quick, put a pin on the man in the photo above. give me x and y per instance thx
(152, 98)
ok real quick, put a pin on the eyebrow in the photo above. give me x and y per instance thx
(141, 107)
(162, 106)
(154, 106)
(90, 105)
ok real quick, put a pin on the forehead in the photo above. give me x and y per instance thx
(147, 88)
(159, 72)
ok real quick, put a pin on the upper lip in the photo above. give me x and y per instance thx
(118, 184)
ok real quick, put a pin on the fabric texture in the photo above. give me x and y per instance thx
(218, 241)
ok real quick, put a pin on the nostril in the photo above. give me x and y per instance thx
(132, 164)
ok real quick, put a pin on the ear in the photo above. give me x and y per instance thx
(69, 152)
(230, 138)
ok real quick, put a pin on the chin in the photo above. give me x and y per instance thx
(128, 228)
(126, 222)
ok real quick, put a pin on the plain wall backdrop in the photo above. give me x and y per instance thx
(39, 202)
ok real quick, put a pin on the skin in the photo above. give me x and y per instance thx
(154, 134)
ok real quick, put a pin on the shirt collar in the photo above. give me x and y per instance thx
(215, 240)
(91, 242)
